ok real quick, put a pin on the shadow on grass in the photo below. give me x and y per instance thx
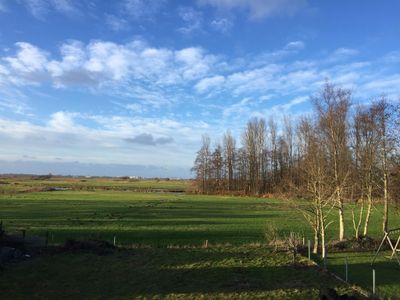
(146, 272)
(387, 272)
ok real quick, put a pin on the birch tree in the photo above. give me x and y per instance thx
(332, 106)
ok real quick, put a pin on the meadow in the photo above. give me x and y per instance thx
(164, 233)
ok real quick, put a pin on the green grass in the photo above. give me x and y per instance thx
(234, 272)
(360, 271)
(160, 220)
(140, 218)
(157, 219)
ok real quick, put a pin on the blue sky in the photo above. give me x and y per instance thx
(128, 87)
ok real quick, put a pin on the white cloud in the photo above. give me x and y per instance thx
(342, 54)
(135, 107)
(345, 52)
(222, 25)
(133, 70)
(294, 102)
(142, 9)
(388, 85)
(289, 50)
(392, 57)
(64, 6)
(132, 138)
(143, 78)
(239, 109)
(117, 23)
(15, 106)
(28, 59)
(193, 20)
(296, 45)
(62, 121)
(256, 80)
(39, 8)
(259, 9)
(208, 83)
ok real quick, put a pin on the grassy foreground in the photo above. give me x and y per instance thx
(104, 209)
(387, 271)
(196, 273)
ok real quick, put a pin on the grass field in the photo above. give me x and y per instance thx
(157, 219)
(160, 220)
(220, 273)
(387, 271)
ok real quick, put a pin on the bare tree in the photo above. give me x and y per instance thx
(318, 186)
(241, 163)
(288, 137)
(273, 141)
(229, 149)
(332, 106)
(254, 141)
(365, 144)
(216, 169)
(202, 164)
(386, 128)
(327, 161)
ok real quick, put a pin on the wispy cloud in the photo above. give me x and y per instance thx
(139, 10)
(192, 19)
(209, 82)
(141, 78)
(40, 8)
(222, 24)
(345, 52)
(66, 135)
(15, 106)
(295, 45)
(239, 109)
(258, 9)
(117, 23)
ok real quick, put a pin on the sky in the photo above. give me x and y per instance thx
(128, 87)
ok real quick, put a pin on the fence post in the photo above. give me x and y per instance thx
(206, 244)
(373, 283)
(115, 238)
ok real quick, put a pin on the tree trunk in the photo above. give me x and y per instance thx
(316, 233)
(357, 225)
(386, 202)
(368, 215)
(341, 221)
(322, 230)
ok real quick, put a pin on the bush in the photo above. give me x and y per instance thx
(293, 244)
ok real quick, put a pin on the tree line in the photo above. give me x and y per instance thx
(341, 153)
